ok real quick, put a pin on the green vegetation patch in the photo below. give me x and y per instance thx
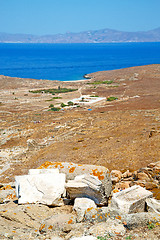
(94, 96)
(51, 105)
(111, 99)
(104, 237)
(55, 109)
(151, 226)
(101, 82)
(54, 90)
(53, 99)
(70, 103)
(63, 105)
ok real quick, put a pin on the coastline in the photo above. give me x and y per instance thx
(55, 65)
(135, 89)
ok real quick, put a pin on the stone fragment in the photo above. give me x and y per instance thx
(123, 185)
(40, 188)
(115, 176)
(56, 238)
(78, 230)
(152, 165)
(58, 222)
(101, 214)
(135, 220)
(87, 186)
(131, 200)
(140, 183)
(43, 171)
(81, 205)
(114, 180)
(84, 238)
(7, 195)
(157, 165)
(31, 144)
(72, 170)
(127, 174)
(153, 205)
(150, 185)
(142, 176)
(110, 228)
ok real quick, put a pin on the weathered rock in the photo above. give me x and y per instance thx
(78, 230)
(115, 176)
(81, 205)
(87, 186)
(110, 228)
(140, 219)
(40, 188)
(143, 176)
(7, 195)
(58, 222)
(56, 238)
(72, 170)
(131, 200)
(150, 185)
(7, 192)
(31, 145)
(43, 171)
(127, 174)
(101, 214)
(152, 165)
(140, 183)
(84, 238)
(153, 205)
(123, 185)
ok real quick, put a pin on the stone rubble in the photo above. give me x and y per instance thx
(87, 186)
(72, 170)
(131, 200)
(81, 205)
(40, 188)
(153, 205)
(76, 217)
(148, 177)
(109, 228)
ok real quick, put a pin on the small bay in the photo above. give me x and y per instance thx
(69, 62)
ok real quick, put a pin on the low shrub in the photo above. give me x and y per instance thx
(51, 105)
(101, 82)
(111, 99)
(70, 103)
(55, 109)
(63, 105)
(54, 90)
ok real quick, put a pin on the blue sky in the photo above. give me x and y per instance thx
(59, 16)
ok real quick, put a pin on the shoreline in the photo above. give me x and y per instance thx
(135, 91)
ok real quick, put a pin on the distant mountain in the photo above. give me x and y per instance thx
(98, 36)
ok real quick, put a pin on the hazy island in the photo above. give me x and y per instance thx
(97, 36)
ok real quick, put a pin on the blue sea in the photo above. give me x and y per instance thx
(68, 62)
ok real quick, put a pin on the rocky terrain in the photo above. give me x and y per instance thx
(119, 133)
